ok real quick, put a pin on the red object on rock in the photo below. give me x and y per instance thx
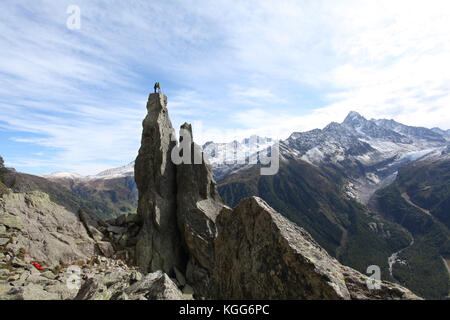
(37, 265)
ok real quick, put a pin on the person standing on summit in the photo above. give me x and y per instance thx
(157, 86)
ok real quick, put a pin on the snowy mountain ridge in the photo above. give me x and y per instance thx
(368, 152)
(124, 171)
(355, 140)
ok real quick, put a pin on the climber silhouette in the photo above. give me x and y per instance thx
(157, 87)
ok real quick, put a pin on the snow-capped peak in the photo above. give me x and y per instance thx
(354, 116)
(235, 151)
(63, 175)
(124, 171)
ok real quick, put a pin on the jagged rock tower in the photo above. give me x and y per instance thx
(159, 244)
(178, 204)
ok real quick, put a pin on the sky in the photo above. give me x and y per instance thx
(74, 99)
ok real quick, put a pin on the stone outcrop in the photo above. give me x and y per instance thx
(35, 229)
(178, 203)
(94, 228)
(125, 285)
(250, 252)
(43, 230)
(185, 242)
(262, 255)
(159, 245)
(71, 246)
(198, 204)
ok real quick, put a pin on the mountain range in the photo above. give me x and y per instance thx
(339, 183)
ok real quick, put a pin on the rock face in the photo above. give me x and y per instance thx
(199, 204)
(123, 285)
(178, 204)
(44, 230)
(262, 255)
(250, 252)
(159, 245)
(35, 229)
(74, 249)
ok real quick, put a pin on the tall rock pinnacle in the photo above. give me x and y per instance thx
(178, 204)
(159, 244)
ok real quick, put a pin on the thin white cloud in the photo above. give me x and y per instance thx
(241, 68)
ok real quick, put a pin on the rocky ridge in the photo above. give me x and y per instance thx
(250, 252)
(79, 256)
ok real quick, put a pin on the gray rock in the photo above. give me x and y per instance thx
(49, 275)
(28, 292)
(93, 289)
(262, 255)
(121, 220)
(136, 276)
(92, 226)
(123, 240)
(106, 248)
(188, 290)
(40, 280)
(48, 232)
(4, 288)
(132, 218)
(116, 286)
(357, 286)
(158, 246)
(17, 263)
(188, 293)
(13, 277)
(10, 221)
(116, 230)
(61, 291)
(199, 204)
(24, 276)
(180, 277)
(122, 296)
(3, 241)
(154, 286)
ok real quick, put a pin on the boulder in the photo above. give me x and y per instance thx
(28, 292)
(45, 231)
(93, 289)
(262, 255)
(118, 286)
(10, 221)
(154, 286)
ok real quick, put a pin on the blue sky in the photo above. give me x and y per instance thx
(74, 100)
